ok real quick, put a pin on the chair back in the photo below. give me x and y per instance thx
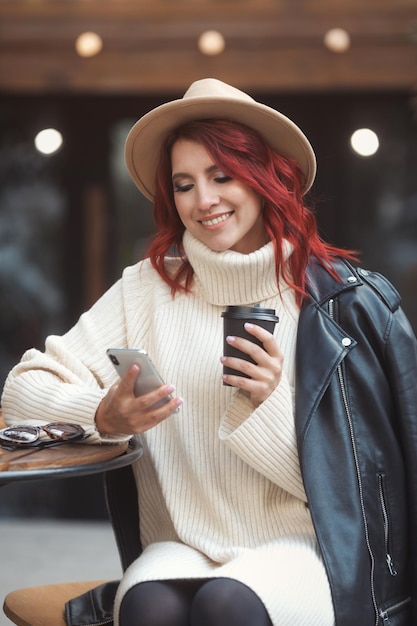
(123, 509)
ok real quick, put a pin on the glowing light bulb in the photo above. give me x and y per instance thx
(48, 141)
(88, 44)
(211, 42)
(364, 141)
(337, 40)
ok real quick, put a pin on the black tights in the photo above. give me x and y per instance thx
(216, 602)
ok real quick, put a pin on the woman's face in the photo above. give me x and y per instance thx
(220, 211)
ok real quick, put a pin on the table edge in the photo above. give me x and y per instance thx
(129, 456)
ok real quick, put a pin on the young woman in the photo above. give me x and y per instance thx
(288, 495)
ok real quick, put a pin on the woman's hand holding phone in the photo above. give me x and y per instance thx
(123, 411)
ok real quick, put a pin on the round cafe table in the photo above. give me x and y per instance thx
(66, 460)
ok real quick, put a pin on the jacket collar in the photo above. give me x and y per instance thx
(321, 286)
(321, 343)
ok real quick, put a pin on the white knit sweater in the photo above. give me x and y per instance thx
(220, 486)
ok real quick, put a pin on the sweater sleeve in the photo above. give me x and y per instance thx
(265, 437)
(68, 380)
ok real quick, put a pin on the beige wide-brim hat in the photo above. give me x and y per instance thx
(210, 98)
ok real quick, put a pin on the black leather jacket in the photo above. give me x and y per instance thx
(356, 421)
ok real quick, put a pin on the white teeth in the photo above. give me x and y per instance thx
(216, 220)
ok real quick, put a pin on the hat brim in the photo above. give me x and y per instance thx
(144, 141)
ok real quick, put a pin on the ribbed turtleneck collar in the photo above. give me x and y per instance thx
(231, 278)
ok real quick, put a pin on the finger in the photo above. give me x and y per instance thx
(257, 353)
(264, 336)
(126, 384)
(240, 365)
(241, 382)
(269, 374)
(157, 398)
(257, 388)
(153, 416)
(165, 410)
(133, 415)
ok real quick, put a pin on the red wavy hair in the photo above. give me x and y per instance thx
(240, 152)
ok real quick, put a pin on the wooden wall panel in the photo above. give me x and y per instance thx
(151, 46)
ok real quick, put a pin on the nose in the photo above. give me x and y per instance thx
(207, 197)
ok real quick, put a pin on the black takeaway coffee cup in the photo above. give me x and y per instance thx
(234, 318)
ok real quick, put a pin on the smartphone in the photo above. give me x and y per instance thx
(148, 378)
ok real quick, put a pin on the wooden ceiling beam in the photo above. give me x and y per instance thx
(285, 70)
(152, 46)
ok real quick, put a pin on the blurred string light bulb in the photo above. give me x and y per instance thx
(211, 42)
(88, 44)
(364, 142)
(337, 40)
(48, 141)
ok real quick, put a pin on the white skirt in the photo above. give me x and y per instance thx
(288, 576)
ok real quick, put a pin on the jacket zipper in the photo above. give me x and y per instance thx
(385, 615)
(358, 472)
(390, 562)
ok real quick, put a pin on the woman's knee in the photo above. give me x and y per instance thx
(223, 601)
(155, 603)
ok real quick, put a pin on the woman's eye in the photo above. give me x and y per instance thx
(182, 188)
(222, 178)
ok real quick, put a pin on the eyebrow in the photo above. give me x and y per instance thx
(208, 170)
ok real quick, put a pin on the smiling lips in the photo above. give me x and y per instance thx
(216, 220)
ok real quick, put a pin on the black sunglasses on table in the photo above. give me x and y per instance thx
(14, 437)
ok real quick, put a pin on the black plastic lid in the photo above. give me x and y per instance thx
(250, 312)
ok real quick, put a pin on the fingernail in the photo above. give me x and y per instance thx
(170, 388)
(179, 401)
(223, 359)
(248, 325)
(230, 339)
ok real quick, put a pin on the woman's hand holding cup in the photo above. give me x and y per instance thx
(252, 360)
